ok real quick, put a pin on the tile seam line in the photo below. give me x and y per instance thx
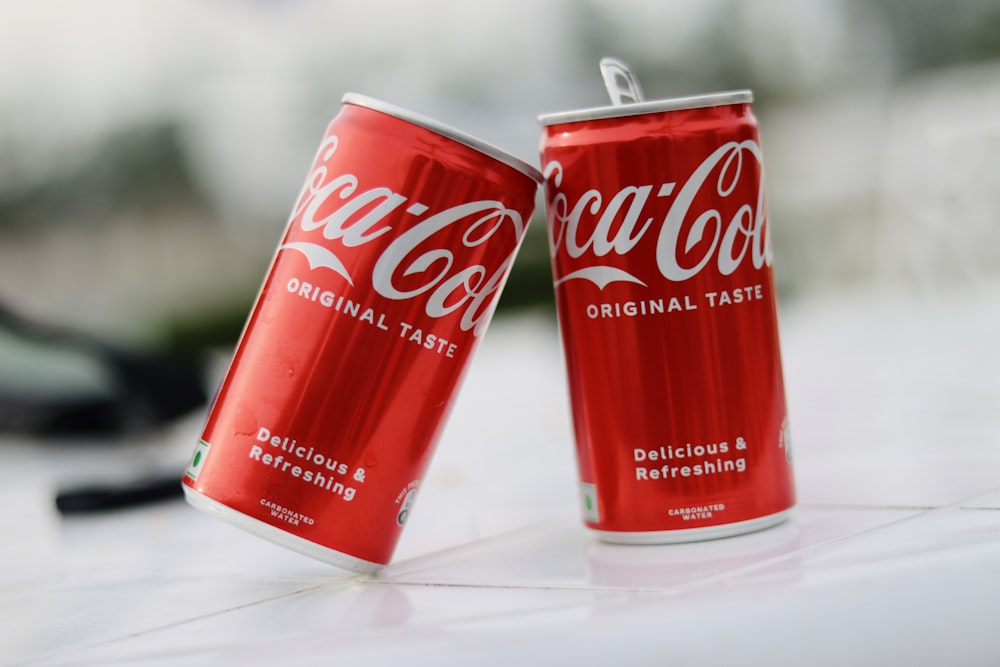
(815, 547)
(478, 542)
(668, 590)
(914, 512)
(960, 504)
(486, 541)
(872, 506)
(166, 626)
(510, 587)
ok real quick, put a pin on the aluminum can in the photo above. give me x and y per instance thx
(382, 285)
(662, 265)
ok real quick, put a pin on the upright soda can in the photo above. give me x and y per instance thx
(666, 302)
(384, 281)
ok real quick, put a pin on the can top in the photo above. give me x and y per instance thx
(445, 131)
(653, 106)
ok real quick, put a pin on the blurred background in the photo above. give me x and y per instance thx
(150, 151)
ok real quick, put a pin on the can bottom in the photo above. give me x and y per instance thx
(692, 534)
(276, 535)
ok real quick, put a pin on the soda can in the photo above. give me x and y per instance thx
(665, 294)
(383, 283)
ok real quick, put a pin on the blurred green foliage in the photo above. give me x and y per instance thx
(145, 168)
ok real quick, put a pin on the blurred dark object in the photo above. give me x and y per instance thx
(145, 389)
(107, 497)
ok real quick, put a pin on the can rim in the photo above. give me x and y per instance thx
(652, 106)
(444, 130)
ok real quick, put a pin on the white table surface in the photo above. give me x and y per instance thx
(891, 557)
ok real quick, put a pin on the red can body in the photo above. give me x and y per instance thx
(383, 283)
(666, 302)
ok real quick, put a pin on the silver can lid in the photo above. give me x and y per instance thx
(445, 131)
(652, 106)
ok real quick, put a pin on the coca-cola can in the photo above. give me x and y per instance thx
(665, 294)
(384, 282)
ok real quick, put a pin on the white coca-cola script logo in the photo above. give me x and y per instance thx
(419, 261)
(617, 226)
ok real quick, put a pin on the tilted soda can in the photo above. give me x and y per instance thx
(666, 302)
(384, 281)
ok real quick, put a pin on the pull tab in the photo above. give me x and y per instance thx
(620, 82)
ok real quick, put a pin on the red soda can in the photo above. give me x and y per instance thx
(665, 294)
(385, 280)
